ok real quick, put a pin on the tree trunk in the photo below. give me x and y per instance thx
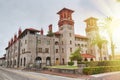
(101, 55)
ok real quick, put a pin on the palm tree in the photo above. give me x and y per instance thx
(99, 42)
(108, 28)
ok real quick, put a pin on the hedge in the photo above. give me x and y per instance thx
(70, 63)
(100, 69)
(102, 63)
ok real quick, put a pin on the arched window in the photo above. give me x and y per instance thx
(48, 61)
(63, 61)
(56, 43)
(91, 59)
(57, 61)
(24, 61)
(21, 62)
(14, 62)
(38, 60)
(86, 59)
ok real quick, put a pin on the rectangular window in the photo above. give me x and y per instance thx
(39, 50)
(70, 49)
(62, 42)
(24, 50)
(62, 50)
(70, 42)
(46, 50)
(25, 41)
(39, 41)
(48, 42)
(21, 44)
(56, 50)
(70, 34)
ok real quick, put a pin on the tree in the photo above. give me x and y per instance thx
(118, 0)
(99, 42)
(50, 33)
(109, 28)
(76, 55)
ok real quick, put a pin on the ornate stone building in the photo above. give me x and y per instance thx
(31, 46)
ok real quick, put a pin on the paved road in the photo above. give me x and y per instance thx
(8, 74)
(11, 74)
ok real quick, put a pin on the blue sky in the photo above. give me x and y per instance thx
(15, 14)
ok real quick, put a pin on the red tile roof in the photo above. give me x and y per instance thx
(90, 18)
(32, 29)
(87, 56)
(80, 36)
(2, 58)
(65, 9)
(29, 29)
(57, 32)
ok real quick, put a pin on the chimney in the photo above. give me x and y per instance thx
(19, 32)
(50, 27)
(11, 41)
(42, 31)
(8, 43)
(15, 37)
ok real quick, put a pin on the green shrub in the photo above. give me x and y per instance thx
(71, 63)
(80, 62)
(103, 63)
(101, 69)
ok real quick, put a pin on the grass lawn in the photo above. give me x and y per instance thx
(63, 67)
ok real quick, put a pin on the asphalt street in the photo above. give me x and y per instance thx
(11, 74)
(7, 75)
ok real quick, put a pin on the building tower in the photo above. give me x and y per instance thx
(67, 38)
(91, 32)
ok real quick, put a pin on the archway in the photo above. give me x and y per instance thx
(24, 61)
(57, 61)
(10, 63)
(21, 62)
(86, 59)
(91, 59)
(38, 62)
(48, 61)
(15, 62)
(63, 61)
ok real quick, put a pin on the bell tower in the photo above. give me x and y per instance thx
(91, 32)
(67, 38)
(65, 17)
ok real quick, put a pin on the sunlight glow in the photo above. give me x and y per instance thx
(110, 8)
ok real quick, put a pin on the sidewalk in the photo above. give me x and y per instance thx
(105, 74)
(80, 76)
